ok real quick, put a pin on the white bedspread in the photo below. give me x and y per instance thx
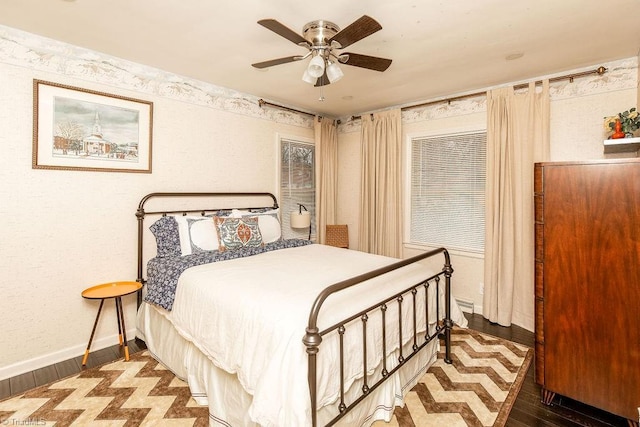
(248, 316)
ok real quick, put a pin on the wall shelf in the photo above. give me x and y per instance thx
(621, 145)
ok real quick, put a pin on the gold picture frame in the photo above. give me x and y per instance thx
(85, 130)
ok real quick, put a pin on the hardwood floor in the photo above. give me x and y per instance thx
(21, 383)
(527, 411)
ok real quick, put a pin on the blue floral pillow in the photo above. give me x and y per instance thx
(167, 237)
(237, 233)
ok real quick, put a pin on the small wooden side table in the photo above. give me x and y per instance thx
(115, 290)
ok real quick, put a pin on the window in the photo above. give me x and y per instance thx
(297, 184)
(447, 191)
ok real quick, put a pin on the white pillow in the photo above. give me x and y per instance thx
(268, 223)
(197, 234)
(269, 228)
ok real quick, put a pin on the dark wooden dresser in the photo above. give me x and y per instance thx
(587, 283)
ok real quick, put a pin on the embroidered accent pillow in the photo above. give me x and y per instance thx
(268, 222)
(236, 233)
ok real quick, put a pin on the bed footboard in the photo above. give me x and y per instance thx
(314, 336)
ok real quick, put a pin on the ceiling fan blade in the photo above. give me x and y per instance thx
(281, 30)
(278, 61)
(364, 61)
(359, 29)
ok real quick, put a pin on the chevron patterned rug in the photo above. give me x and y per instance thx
(478, 389)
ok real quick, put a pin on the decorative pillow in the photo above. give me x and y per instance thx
(268, 222)
(269, 228)
(167, 236)
(237, 233)
(197, 234)
(221, 212)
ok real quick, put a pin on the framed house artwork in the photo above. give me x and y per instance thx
(81, 129)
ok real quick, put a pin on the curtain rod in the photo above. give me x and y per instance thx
(600, 71)
(262, 102)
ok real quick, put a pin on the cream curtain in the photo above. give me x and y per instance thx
(326, 143)
(381, 192)
(517, 137)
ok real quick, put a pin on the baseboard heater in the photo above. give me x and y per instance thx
(466, 306)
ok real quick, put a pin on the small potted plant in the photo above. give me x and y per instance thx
(629, 123)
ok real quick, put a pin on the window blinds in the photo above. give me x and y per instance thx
(447, 191)
(297, 184)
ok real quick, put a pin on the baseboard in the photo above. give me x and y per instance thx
(59, 356)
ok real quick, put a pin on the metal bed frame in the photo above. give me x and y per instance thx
(313, 336)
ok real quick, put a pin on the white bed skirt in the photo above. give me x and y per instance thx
(228, 401)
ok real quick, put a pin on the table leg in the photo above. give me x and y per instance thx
(124, 329)
(118, 310)
(93, 331)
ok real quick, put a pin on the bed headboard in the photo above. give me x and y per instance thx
(185, 203)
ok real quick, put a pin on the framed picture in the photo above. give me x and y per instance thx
(80, 129)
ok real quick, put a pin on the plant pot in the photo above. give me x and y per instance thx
(617, 134)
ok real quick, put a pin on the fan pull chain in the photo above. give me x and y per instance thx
(321, 90)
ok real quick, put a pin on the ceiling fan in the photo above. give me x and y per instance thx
(324, 39)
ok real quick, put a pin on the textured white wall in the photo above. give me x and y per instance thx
(62, 231)
(577, 114)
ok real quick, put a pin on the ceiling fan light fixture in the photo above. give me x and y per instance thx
(306, 77)
(334, 73)
(323, 41)
(316, 66)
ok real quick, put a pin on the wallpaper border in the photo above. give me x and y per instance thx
(48, 55)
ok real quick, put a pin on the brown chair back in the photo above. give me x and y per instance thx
(338, 235)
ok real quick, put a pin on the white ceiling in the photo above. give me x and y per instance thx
(438, 47)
